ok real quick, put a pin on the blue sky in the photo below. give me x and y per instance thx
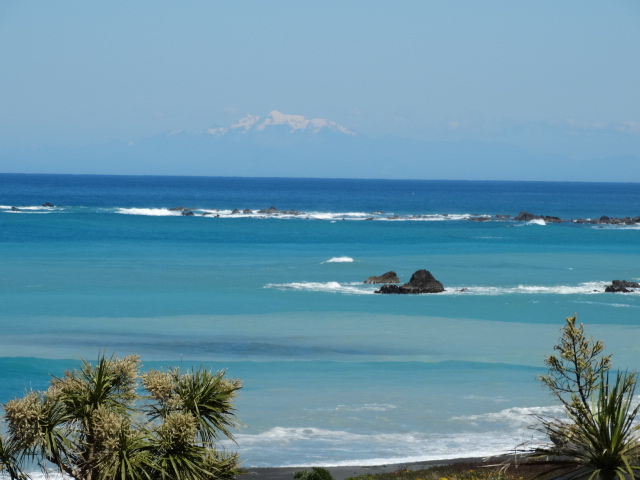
(555, 77)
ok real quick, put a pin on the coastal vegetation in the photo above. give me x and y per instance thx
(599, 438)
(110, 421)
(464, 471)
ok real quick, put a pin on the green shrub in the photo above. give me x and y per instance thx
(600, 435)
(362, 477)
(93, 424)
(316, 473)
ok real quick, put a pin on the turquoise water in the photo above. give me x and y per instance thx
(333, 373)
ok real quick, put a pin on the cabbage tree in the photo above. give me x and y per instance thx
(109, 421)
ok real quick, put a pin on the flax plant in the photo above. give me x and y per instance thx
(599, 439)
(96, 423)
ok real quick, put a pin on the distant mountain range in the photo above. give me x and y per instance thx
(276, 118)
(284, 145)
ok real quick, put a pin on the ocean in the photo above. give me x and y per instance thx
(333, 374)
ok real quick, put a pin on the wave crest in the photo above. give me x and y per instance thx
(339, 260)
(329, 287)
(342, 448)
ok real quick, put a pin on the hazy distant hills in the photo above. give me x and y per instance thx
(281, 145)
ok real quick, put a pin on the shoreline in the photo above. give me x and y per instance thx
(343, 472)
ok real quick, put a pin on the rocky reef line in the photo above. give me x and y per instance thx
(422, 281)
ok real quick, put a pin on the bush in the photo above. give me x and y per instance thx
(93, 423)
(316, 473)
(599, 438)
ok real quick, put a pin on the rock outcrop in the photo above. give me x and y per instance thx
(421, 282)
(621, 286)
(389, 277)
(604, 220)
(269, 211)
(527, 217)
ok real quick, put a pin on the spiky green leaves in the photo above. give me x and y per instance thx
(576, 371)
(599, 439)
(92, 424)
(208, 397)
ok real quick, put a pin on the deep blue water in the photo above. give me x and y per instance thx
(333, 373)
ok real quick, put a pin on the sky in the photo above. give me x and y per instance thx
(554, 77)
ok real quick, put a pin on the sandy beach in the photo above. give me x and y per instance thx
(340, 473)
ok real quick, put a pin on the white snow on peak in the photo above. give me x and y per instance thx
(294, 122)
(217, 131)
(246, 122)
(300, 122)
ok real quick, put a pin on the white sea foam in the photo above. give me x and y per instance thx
(338, 215)
(41, 476)
(368, 407)
(515, 416)
(151, 212)
(587, 288)
(35, 209)
(313, 215)
(347, 448)
(536, 221)
(339, 260)
(330, 287)
(358, 288)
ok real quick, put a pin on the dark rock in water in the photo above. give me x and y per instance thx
(269, 211)
(178, 209)
(421, 282)
(389, 277)
(235, 211)
(187, 213)
(526, 217)
(47, 204)
(247, 211)
(15, 209)
(604, 220)
(621, 286)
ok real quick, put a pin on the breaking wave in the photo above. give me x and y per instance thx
(328, 287)
(537, 221)
(587, 288)
(339, 260)
(342, 448)
(329, 216)
(358, 288)
(515, 416)
(37, 209)
(151, 212)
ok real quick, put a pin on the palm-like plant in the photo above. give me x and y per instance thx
(599, 439)
(91, 424)
(10, 459)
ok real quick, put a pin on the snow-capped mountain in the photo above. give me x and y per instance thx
(276, 118)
